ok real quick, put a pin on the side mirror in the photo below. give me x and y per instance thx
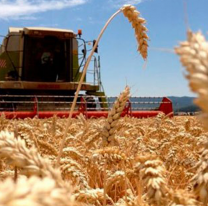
(96, 49)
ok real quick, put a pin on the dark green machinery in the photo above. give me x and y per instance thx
(45, 62)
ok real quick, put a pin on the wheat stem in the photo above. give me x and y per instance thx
(80, 84)
(140, 30)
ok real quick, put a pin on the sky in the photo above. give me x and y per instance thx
(121, 64)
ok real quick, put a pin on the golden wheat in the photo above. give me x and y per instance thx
(113, 116)
(137, 22)
(194, 57)
(129, 167)
(34, 191)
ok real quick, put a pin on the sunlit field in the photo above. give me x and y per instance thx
(154, 161)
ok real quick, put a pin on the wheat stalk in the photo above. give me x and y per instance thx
(200, 179)
(142, 38)
(117, 177)
(53, 125)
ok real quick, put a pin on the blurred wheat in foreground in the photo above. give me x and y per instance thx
(194, 57)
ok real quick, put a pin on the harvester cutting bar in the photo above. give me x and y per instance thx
(45, 106)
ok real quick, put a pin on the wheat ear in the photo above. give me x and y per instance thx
(110, 154)
(47, 148)
(30, 162)
(137, 22)
(183, 198)
(92, 197)
(194, 57)
(113, 117)
(117, 177)
(72, 170)
(152, 174)
(34, 192)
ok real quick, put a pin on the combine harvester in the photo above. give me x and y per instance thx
(39, 73)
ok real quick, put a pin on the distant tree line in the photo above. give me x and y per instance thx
(191, 108)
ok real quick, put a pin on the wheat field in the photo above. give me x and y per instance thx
(156, 161)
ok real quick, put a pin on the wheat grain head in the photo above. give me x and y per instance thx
(194, 57)
(137, 22)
